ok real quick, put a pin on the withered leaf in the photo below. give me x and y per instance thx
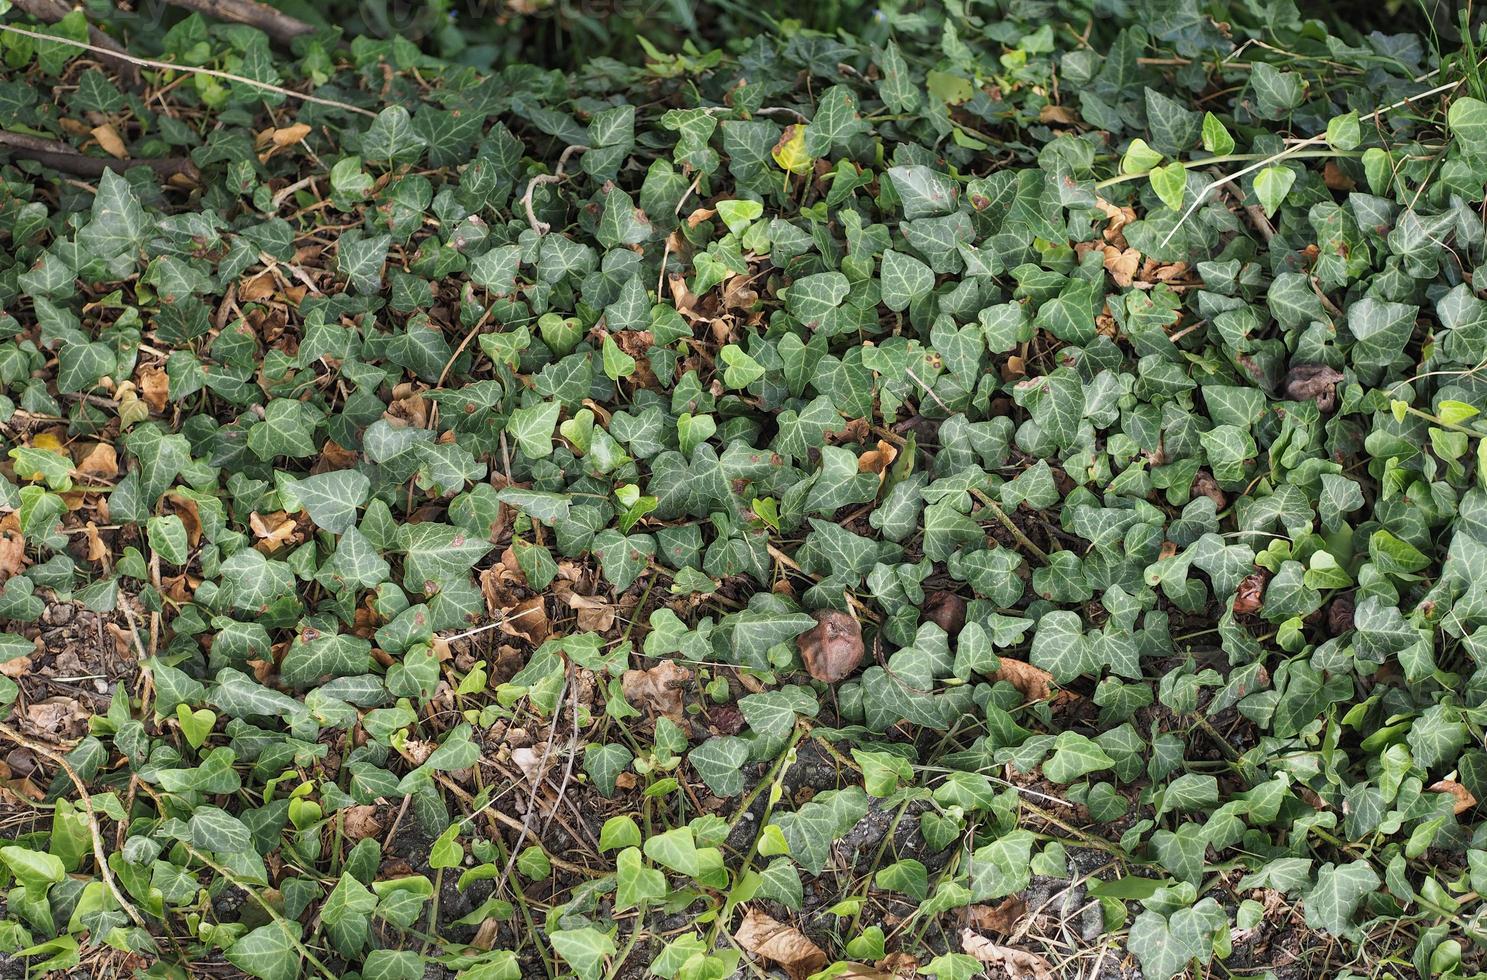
(780, 944)
(832, 649)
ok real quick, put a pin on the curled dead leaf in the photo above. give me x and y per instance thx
(595, 615)
(1313, 382)
(154, 386)
(99, 461)
(1207, 486)
(1250, 596)
(1057, 115)
(660, 688)
(783, 945)
(528, 620)
(1340, 614)
(1017, 963)
(832, 649)
(272, 530)
(12, 546)
(1122, 264)
(360, 822)
(878, 460)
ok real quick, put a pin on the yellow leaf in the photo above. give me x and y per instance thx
(50, 443)
(109, 139)
(790, 152)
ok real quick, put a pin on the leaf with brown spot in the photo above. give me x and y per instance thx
(785, 946)
(1462, 798)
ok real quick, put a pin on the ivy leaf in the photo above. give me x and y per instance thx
(585, 950)
(434, 553)
(1272, 184)
(270, 952)
(1339, 890)
(332, 498)
(1170, 183)
(905, 279)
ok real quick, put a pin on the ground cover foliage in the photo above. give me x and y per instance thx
(995, 489)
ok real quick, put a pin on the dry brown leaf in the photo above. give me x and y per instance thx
(900, 965)
(785, 946)
(108, 138)
(1335, 179)
(97, 550)
(1057, 115)
(185, 509)
(529, 761)
(528, 620)
(57, 717)
(16, 667)
(946, 610)
(1035, 683)
(1122, 264)
(878, 460)
(1205, 484)
(1017, 963)
(361, 822)
(1313, 382)
(1250, 595)
(1002, 917)
(595, 615)
(832, 649)
(1463, 798)
(154, 385)
(100, 461)
(700, 215)
(12, 546)
(272, 530)
(660, 688)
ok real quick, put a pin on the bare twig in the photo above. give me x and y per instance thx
(542, 227)
(526, 818)
(99, 854)
(1296, 148)
(1010, 525)
(226, 76)
(111, 53)
(276, 24)
(60, 156)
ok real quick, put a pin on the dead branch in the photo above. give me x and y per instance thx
(61, 156)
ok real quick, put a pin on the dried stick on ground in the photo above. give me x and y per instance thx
(51, 11)
(60, 156)
(275, 23)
